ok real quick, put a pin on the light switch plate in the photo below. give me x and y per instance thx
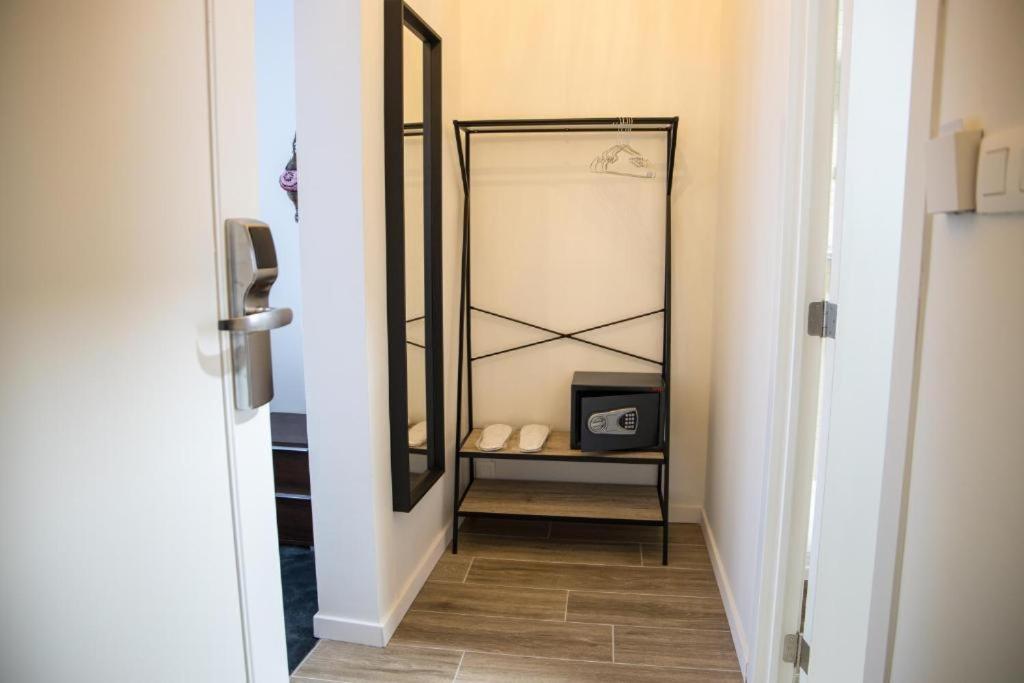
(1020, 169)
(992, 167)
(1000, 186)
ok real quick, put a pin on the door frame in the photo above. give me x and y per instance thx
(795, 375)
(234, 164)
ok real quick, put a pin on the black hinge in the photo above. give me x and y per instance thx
(821, 319)
(796, 651)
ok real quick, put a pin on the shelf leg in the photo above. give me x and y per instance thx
(455, 510)
(663, 479)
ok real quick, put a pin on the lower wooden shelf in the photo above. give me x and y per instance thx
(562, 500)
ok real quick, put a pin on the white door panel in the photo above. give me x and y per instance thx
(117, 513)
(855, 419)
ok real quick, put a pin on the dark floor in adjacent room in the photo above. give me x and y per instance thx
(553, 603)
(298, 585)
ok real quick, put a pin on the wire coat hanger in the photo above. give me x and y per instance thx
(606, 160)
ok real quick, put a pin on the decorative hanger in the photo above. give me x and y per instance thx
(635, 164)
(289, 179)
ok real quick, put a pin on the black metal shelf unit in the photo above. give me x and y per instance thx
(622, 504)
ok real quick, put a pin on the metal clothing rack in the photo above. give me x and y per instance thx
(614, 504)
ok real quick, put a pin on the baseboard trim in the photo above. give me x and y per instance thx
(739, 635)
(687, 514)
(414, 584)
(333, 627)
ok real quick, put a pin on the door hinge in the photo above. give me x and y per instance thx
(796, 651)
(821, 319)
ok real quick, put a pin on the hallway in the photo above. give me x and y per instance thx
(535, 601)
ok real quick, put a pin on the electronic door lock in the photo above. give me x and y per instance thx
(251, 271)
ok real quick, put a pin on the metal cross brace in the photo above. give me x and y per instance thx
(566, 335)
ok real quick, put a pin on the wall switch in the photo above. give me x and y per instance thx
(1000, 187)
(1020, 169)
(992, 172)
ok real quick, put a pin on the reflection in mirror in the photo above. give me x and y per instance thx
(416, 339)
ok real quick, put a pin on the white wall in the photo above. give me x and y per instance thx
(328, 59)
(371, 561)
(755, 52)
(548, 235)
(275, 93)
(960, 589)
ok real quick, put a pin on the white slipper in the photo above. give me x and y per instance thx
(494, 437)
(532, 438)
(418, 434)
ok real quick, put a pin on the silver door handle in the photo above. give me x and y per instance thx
(261, 321)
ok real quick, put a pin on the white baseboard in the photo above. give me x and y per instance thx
(332, 627)
(377, 635)
(739, 634)
(414, 584)
(690, 514)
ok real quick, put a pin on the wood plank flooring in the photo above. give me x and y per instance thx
(547, 550)
(487, 668)
(493, 601)
(593, 577)
(333, 661)
(567, 603)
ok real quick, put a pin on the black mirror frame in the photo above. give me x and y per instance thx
(397, 16)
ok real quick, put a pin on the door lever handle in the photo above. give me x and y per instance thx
(261, 321)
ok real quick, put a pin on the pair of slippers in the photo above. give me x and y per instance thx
(493, 437)
(531, 437)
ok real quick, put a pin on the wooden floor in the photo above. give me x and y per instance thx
(533, 601)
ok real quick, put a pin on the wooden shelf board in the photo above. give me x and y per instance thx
(562, 500)
(556, 448)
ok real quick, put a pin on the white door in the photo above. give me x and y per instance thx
(822, 285)
(853, 419)
(818, 251)
(136, 506)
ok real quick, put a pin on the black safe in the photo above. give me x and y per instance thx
(615, 411)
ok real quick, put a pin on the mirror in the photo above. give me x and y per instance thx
(412, 151)
(415, 342)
